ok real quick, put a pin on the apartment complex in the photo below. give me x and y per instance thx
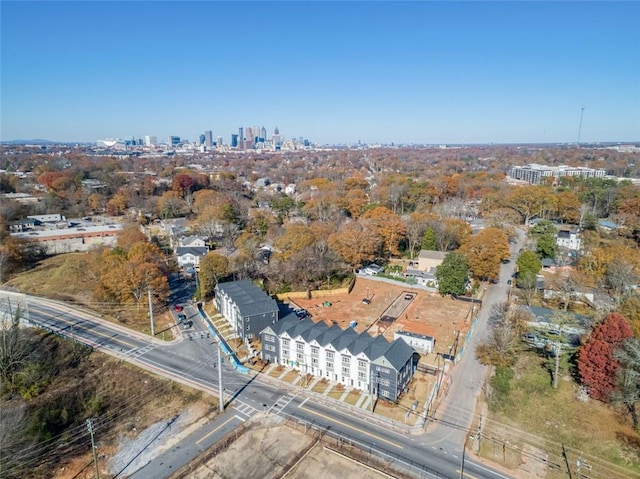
(354, 359)
(536, 174)
(247, 308)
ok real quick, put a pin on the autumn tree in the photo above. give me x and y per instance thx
(388, 226)
(295, 238)
(212, 267)
(355, 244)
(597, 365)
(453, 274)
(485, 251)
(529, 201)
(507, 325)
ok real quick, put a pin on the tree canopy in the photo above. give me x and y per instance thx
(453, 274)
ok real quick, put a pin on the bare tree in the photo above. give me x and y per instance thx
(628, 392)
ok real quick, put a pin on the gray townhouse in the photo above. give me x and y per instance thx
(247, 308)
(354, 359)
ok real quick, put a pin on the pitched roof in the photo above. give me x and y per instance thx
(329, 335)
(301, 327)
(248, 298)
(194, 250)
(398, 353)
(360, 343)
(283, 325)
(377, 348)
(314, 331)
(429, 254)
(344, 339)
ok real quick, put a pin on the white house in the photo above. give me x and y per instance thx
(420, 342)
(189, 256)
(568, 239)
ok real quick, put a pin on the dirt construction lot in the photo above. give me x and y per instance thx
(275, 450)
(426, 313)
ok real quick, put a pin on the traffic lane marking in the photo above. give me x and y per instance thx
(474, 464)
(70, 322)
(216, 429)
(361, 431)
(466, 474)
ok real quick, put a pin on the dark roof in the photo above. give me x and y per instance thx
(360, 343)
(248, 298)
(194, 250)
(414, 335)
(344, 340)
(312, 333)
(398, 354)
(283, 325)
(300, 328)
(377, 348)
(329, 335)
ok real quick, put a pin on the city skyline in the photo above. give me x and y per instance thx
(331, 72)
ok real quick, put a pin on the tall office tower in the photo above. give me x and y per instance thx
(241, 138)
(219, 141)
(263, 133)
(173, 140)
(249, 134)
(201, 140)
(276, 136)
(234, 141)
(150, 140)
(208, 138)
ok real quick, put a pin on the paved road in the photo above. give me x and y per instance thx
(192, 360)
(467, 379)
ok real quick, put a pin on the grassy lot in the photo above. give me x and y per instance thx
(64, 277)
(336, 391)
(555, 418)
(320, 386)
(352, 397)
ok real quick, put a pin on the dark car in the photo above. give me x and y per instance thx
(186, 324)
(301, 313)
(182, 317)
(178, 308)
(366, 301)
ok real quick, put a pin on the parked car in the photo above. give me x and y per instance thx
(182, 317)
(408, 296)
(178, 308)
(301, 313)
(366, 301)
(186, 324)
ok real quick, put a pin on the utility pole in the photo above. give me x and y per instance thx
(556, 351)
(464, 451)
(566, 460)
(153, 329)
(220, 388)
(580, 127)
(93, 447)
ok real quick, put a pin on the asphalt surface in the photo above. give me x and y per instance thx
(192, 360)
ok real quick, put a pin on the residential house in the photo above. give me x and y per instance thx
(191, 241)
(419, 342)
(248, 309)
(568, 239)
(429, 260)
(371, 270)
(190, 256)
(354, 359)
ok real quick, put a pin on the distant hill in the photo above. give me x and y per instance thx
(38, 141)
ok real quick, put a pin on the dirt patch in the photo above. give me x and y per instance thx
(322, 462)
(427, 313)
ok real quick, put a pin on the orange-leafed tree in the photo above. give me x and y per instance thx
(294, 239)
(388, 226)
(485, 251)
(355, 244)
(596, 363)
(529, 201)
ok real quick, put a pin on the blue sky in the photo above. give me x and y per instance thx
(333, 72)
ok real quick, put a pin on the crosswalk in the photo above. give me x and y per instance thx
(281, 403)
(245, 409)
(137, 352)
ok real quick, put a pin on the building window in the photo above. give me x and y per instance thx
(300, 358)
(300, 346)
(285, 353)
(345, 370)
(362, 365)
(314, 350)
(382, 370)
(330, 365)
(314, 362)
(384, 382)
(384, 393)
(346, 360)
(270, 338)
(270, 347)
(329, 354)
(285, 342)
(362, 375)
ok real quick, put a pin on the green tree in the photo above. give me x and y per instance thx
(545, 234)
(212, 267)
(453, 274)
(528, 264)
(429, 240)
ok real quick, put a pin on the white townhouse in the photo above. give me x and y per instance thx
(354, 359)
